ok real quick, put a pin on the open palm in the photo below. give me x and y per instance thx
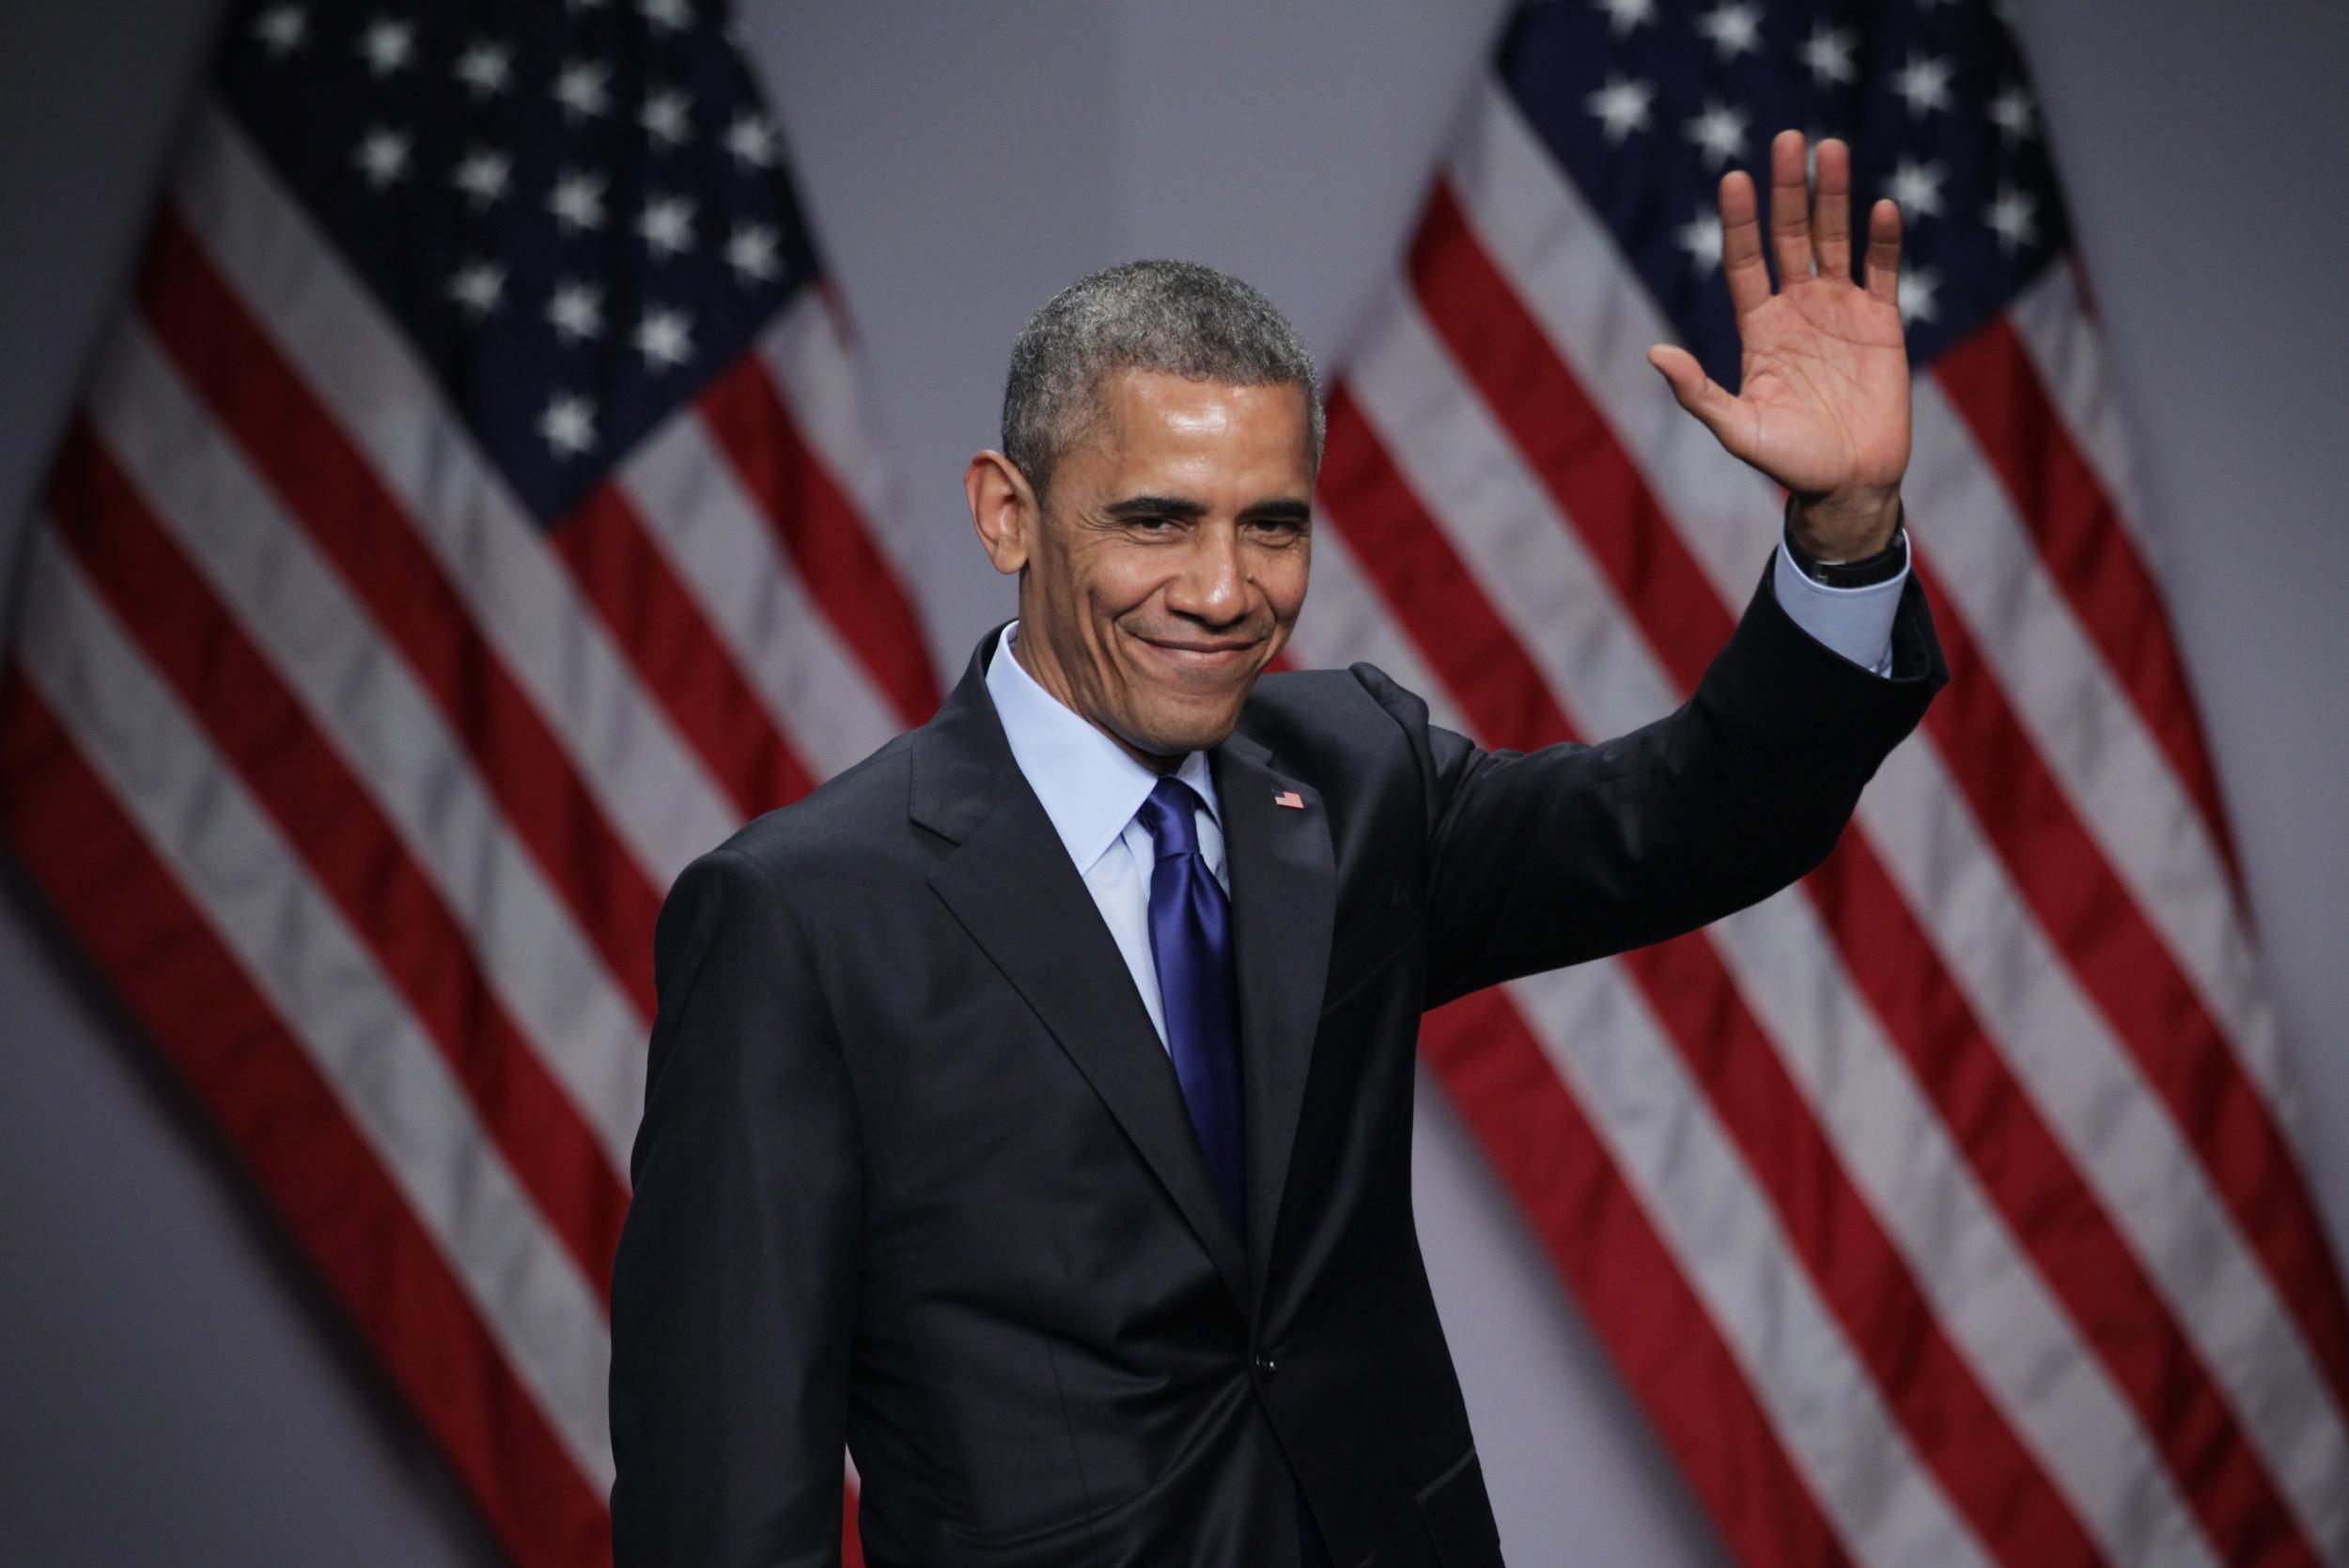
(1822, 406)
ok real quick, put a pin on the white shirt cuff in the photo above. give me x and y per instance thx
(1854, 622)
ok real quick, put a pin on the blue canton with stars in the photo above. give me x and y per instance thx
(1647, 103)
(577, 213)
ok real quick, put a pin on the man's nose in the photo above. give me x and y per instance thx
(1212, 586)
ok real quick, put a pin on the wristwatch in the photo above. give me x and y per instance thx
(1869, 570)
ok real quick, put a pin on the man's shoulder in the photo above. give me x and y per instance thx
(1304, 715)
(844, 827)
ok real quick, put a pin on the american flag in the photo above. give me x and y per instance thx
(466, 525)
(1943, 1209)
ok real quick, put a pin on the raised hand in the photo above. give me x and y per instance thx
(1824, 404)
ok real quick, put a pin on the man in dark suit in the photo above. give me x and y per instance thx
(1030, 1107)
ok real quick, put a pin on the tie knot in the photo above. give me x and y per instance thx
(1167, 816)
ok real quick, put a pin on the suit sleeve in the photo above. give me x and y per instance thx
(1542, 859)
(734, 1294)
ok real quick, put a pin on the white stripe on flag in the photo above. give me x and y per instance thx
(545, 1317)
(825, 393)
(1664, 1137)
(362, 696)
(2053, 323)
(2087, 730)
(651, 786)
(697, 514)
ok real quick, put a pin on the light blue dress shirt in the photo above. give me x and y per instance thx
(1090, 789)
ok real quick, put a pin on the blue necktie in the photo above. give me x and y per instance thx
(1190, 942)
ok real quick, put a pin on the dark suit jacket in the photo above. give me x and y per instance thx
(915, 1172)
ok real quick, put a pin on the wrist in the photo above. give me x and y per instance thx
(1880, 565)
(1843, 526)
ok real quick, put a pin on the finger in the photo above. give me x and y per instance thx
(1742, 244)
(1830, 214)
(1698, 393)
(1884, 252)
(1790, 207)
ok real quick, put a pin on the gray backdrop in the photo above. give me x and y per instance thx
(174, 1389)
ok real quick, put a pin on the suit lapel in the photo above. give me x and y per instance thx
(1011, 885)
(1283, 897)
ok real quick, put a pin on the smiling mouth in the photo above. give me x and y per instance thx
(1203, 656)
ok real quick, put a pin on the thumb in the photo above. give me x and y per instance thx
(1697, 392)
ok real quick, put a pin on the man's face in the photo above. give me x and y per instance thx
(1169, 562)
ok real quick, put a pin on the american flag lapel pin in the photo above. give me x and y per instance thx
(1291, 798)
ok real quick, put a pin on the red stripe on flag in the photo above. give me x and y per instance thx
(1663, 1343)
(2135, 984)
(681, 661)
(299, 779)
(329, 488)
(2079, 1251)
(845, 573)
(1539, 404)
(1958, 1431)
(1530, 394)
(138, 922)
(2064, 505)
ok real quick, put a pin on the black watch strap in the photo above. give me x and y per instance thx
(1866, 573)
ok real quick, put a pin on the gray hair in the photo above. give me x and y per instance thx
(1177, 317)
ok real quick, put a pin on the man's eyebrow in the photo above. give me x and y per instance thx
(1155, 506)
(1279, 509)
(1282, 510)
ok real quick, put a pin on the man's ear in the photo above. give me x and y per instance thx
(1004, 510)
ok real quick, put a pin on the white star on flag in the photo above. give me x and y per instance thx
(2012, 113)
(1827, 55)
(281, 29)
(1620, 106)
(568, 425)
(381, 156)
(665, 337)
(387, 45)
(2013, 217)
(483, 177)
(1916, 188)
(1701, 237)
(666, 224)
(576, 311)
(751, 252)
(1918, 285)
(578, 200)
(478, 286)
(485, 68)
(579, 87)
(1923, 84)
(752, 141)
(667, 117)
(1720, 131)
(1624, 15)
(1735, 28)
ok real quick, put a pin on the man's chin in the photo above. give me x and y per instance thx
(1168, 736)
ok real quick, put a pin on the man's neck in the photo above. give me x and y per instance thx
(1046, 673)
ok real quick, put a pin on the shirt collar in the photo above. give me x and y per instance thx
(1088, 785)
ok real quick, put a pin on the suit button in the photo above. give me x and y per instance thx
(1266, 1369)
